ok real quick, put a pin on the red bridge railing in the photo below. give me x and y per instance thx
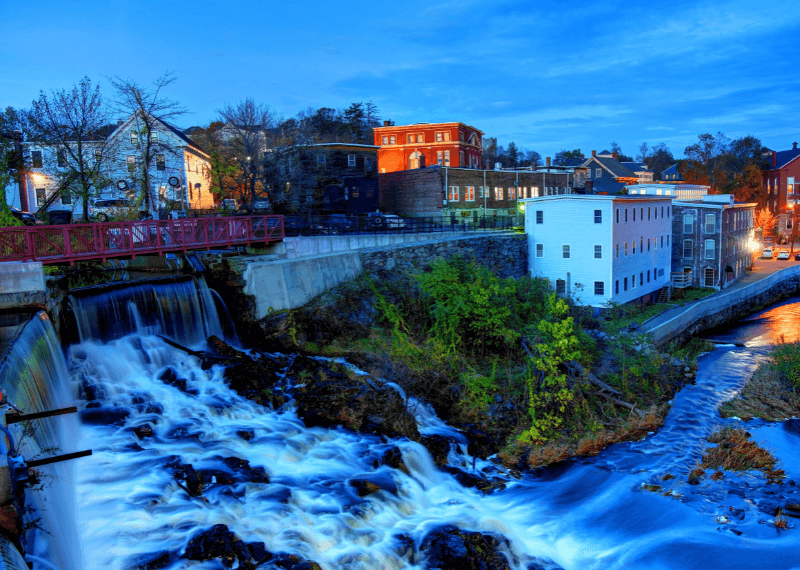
(76, 242)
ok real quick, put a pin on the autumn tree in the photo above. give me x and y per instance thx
(67, 123)
(224, 168)
(247, 125)
(744, 169)
(767, 221)
(148, 105)
(706, 158)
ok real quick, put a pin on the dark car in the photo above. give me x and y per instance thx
(797, 256)
(26, 218)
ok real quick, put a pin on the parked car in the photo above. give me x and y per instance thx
(108, 209)
(378, 220)
(797, 256)
(783, 255)
(229, 204)
(767, 253)
(337, 223)
(26, 218)
(260, 206)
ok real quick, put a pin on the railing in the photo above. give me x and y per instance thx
(76, 242)
(298, 225)
(682, 280)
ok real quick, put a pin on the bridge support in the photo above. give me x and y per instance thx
(22, 285)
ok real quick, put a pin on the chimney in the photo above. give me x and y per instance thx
(385, 123)
(794, 146)
(774, 159)
(615, 154)
(548, 162)
(594, 153)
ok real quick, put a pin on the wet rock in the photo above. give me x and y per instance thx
(219, 542)
(143, 431)
(329, 398)
(152, 561)
(438, 446)
(393, 458)
(246, 434)
(216, 477)
(694, 476)
(170, 377)
(405, 544)
(475, 480)
(250, 377)
(187, 476)
(293, 562)
(111, 416)
(450, 548)
(258, 552)
(244, 472)
(373, 483)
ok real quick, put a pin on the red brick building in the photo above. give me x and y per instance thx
(419, 145)
(780, 178)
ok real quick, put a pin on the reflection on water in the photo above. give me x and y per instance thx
(778, 323)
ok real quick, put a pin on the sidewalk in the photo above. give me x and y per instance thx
(762, 268)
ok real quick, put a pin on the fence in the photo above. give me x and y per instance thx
(297, 225)
(75, 242)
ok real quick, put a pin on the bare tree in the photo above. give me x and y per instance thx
(68, 123)
(148, 105)
(247, 127)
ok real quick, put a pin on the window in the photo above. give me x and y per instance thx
(36, 159)
(412, 138)
(354, 192)
(709, 277)
(498, 193)
(598, 172)
(667, 240)
(162, 192)
(480, 191)
(561, 287)
(599, 288)
(439, 155)
(461, 159)
(633, 247)
(711, 223)
(321, 161)
(617, 255)
(709, 249)
(688, 223)
(131, 160)
(625, 284)
(442, 137)
(641, 244)
(539, 216)
(154, 137)
(453, 194)
(648, 244)
(616, 287)
(367, 164)
(447, 158)
(392, 140)
(668, 211)
(648, 276)
(40, 196)
(633, 281)
(598, 216)
(66, 197)
(687, 248)
(598, 252)
(641, 278)
(469, 194)
(626, 248)
(385, 140)
(61, 158)
(617, 215)
(161, 162)
(662, 242)
(648, 212)
(539, 250)
(134, 138)
(565, 251)
(511, 193)
(634, 214)
(98, 155)
(351, 159)
(789, 224)
(626, 215)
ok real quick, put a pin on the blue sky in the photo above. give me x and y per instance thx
(548, 75)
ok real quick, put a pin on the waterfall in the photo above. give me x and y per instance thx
(177, 307)
(34, 378)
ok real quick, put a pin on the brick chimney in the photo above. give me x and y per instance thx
(594, 153)
(774, 159)
(548, 162)
(615, 154)
(385, 123)
(794, 146)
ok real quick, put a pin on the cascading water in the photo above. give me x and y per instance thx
(34, 378)
(591, 513)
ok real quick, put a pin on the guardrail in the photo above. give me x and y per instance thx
(317, 225)
(77, 242)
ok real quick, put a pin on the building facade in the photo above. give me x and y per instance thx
(409, 147)
(467, 194)
(779, 178)
(608, 175)
(330, 178)
(621, 253)
(678, 191)
(713, 239)
(179, 172)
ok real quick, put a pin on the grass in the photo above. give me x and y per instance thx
(735, 451)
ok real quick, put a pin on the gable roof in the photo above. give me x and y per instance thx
(672, 169)
(636, 166)
(611, 165)
(784, 157)
(574, 162)
(608, 185)
(127, 123)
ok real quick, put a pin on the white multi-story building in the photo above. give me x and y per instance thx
(601, 249)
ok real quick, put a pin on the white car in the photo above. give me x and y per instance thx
(767, 253)
(783, 255)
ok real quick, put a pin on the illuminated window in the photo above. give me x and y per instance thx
(511, 193)
(469, 194)
(453, 194)
(498, 193)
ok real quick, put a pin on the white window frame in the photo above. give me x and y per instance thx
(469, 194)
(452, 195)
(709, 247)
(351, 160)
(598, 216)
(691, 249)
(688, 221)
(539, 250)
(598, 251)
(711, 220)
(602, 285)
(565, 251)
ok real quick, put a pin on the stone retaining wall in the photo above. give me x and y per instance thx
(723, 307)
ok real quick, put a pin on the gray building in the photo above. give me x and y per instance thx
(712, 240)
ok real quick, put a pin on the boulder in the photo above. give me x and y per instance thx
(219, 542)
(450, 548)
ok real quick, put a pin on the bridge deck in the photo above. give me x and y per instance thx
(79, 242)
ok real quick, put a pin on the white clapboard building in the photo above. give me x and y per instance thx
(601, 249)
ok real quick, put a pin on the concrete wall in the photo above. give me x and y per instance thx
(22, 285)
(294, 247)
(725, 306)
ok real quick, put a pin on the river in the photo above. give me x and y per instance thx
(582, 514)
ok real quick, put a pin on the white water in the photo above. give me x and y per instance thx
(591, 513)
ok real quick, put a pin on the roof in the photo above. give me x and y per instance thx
(606, 184)
(174, 130)
(638, 166)
(614, 166)
(574, 162)
(595, 197)
(784, 157)
(427, 125)
(672, 169)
